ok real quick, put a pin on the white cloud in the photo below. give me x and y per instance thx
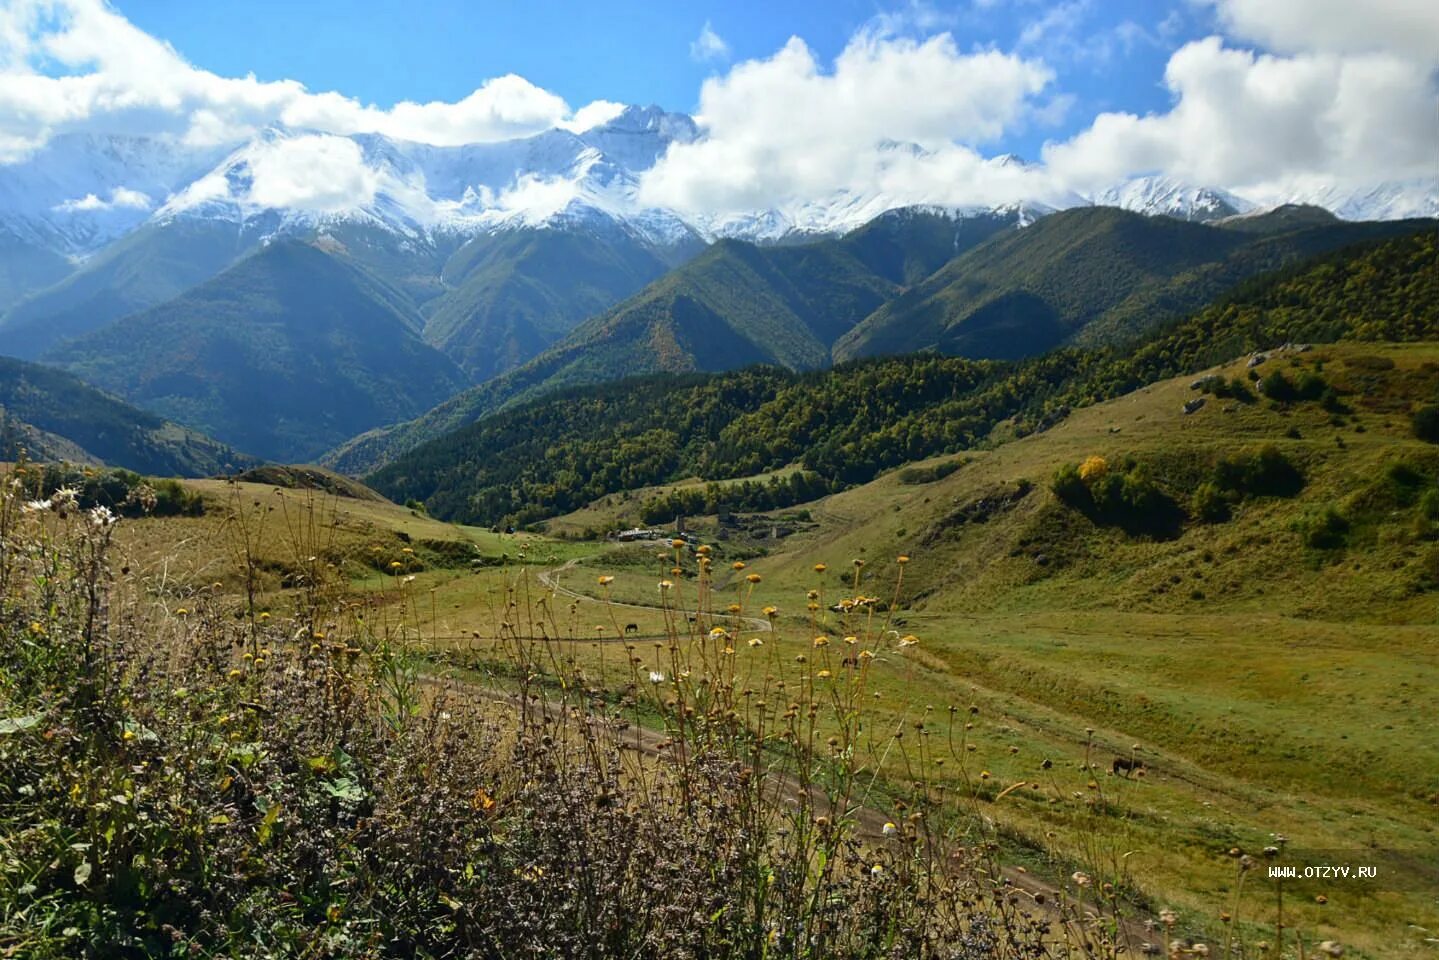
(1261, 122)
(80, 65)
(121, 198)
(319, 173)
(914, 18)
(1408, 28)
(1340, 93)
(784, 130)
(708, 45)
(1059, 23)
(505, 107)
(592, 115)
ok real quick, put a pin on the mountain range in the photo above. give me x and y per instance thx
(48, 414)
(93, 213)
(846, 425)
(1090, 276)
(306, 296)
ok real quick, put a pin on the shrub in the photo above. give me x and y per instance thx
(1124, 496)
(1425, 423)
(1277, 387)
(1092, 469)
(1240, 391)
(1326, 530)
(1070, 488)
(1210, 505)
(1235, 389)
(1426, 518)
(1311, 386)
(121, 491)
(916, 475)
(1265, 473)
(181, 782)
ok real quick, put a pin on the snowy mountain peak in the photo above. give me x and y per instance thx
(652, 120)
(1166, 196)
(83, 191)
(1390, 200)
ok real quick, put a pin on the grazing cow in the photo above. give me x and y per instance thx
(1127, 765)
(632, 628)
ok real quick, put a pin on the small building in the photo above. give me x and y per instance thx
(638, 533)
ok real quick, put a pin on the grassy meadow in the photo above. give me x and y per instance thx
(1271, 668)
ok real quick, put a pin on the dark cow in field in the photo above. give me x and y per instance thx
(1126, 766)
(632, 628)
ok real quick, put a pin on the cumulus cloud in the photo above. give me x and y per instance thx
(1295, 94)
(592, 115)
(1408, 28)
(320, 173)
(892, 111)
(80, 65)
(708, 45)
(121, 198)
(505, 107)
(1264, 122)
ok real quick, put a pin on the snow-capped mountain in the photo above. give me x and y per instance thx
(82, 192)
(1392, 200)
(1169, 197)
(554, 178)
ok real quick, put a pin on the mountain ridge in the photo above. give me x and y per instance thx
(285, 354)
(49, 414)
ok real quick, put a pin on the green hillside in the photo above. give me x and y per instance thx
(510, 295)
(53, 415)
(1264, 649)
(732, 306)
(850, 423)
(283, 355)
(904, 246)
(25, 268)
(1091, 275)
(1281, 219)
(146, 268)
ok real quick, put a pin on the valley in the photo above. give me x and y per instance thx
(1268, 686)
(424, 542)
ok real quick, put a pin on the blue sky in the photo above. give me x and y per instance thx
(1107, 54)
(899, 101)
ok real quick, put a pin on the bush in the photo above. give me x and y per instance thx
(1070, 488)
(1123, 495)
(1426, 518)
(1426, 423)
(911, 476)
(1277, 387)
(1265, 473)
(1235, 389)
(1210, 505)
(121, 491)
(1327, 530)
